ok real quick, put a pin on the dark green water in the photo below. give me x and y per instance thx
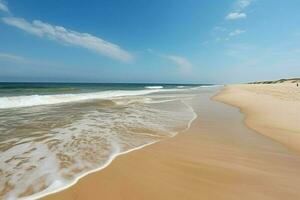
(18, 89)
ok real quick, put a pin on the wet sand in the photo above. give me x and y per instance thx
(218, 157)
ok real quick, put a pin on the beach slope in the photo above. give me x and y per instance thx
(270, 109)
(216, 158)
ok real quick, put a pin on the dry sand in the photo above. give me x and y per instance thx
(217, 158)
(270, 109)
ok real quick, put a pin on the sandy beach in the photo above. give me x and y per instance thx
(270, 109)
(218, 157)
(149, 100)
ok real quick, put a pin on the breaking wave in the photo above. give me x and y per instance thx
(36, 100)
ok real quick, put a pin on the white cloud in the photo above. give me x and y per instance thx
(67, 36)
(236, 15)
(181, 62)
(3, 7)
(236, 32)
(239, 10)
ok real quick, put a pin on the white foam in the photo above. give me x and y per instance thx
(59, 185)
(88, 123)
(35, 100)
(154, 87)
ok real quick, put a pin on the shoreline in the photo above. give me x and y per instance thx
(112, 158)
(50, 190)
(168, 159)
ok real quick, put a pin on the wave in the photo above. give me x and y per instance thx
(60, 185)
(91, 135)
(154, 87)
(36, 100)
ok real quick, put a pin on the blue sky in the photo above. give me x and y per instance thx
(191, 41)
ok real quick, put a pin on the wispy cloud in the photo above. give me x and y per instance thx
(236, 32)
(219, 29)
(222, 39)
(63, 35)
(67, 36)
(236, 15)
(243, 4)
(3, 7)
(184, 64)
(239, 10)
(12, 57)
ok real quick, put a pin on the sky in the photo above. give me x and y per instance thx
(149, 41)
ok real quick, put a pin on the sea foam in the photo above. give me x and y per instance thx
(56, 147)
(36, 100)
(154, 87)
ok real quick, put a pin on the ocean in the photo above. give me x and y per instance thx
(51, 134)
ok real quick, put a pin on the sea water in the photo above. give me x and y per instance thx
(51, 134)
